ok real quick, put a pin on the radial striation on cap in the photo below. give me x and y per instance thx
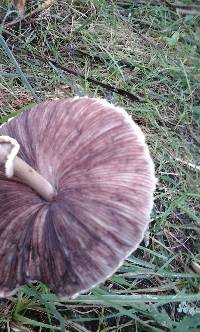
(96, 158)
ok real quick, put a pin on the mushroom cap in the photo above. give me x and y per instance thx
(96, 157)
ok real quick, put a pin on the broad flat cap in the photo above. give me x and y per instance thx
(96, 158)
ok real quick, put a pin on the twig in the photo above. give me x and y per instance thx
(183, 8)
(96, 57)
(119, 91)
(40, 8)
(94, 81)
(187, 9)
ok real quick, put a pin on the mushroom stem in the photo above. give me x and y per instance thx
(33, 179)
(14, 165)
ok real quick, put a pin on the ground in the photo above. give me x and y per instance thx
(144, 56)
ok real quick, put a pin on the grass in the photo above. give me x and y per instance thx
(146, 57)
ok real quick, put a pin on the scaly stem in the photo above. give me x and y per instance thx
(14, 165)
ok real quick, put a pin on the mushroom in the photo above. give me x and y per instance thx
(76, 193)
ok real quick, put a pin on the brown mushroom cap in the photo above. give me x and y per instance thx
(96, 158)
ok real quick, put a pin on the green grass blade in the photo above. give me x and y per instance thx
(17, 66)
